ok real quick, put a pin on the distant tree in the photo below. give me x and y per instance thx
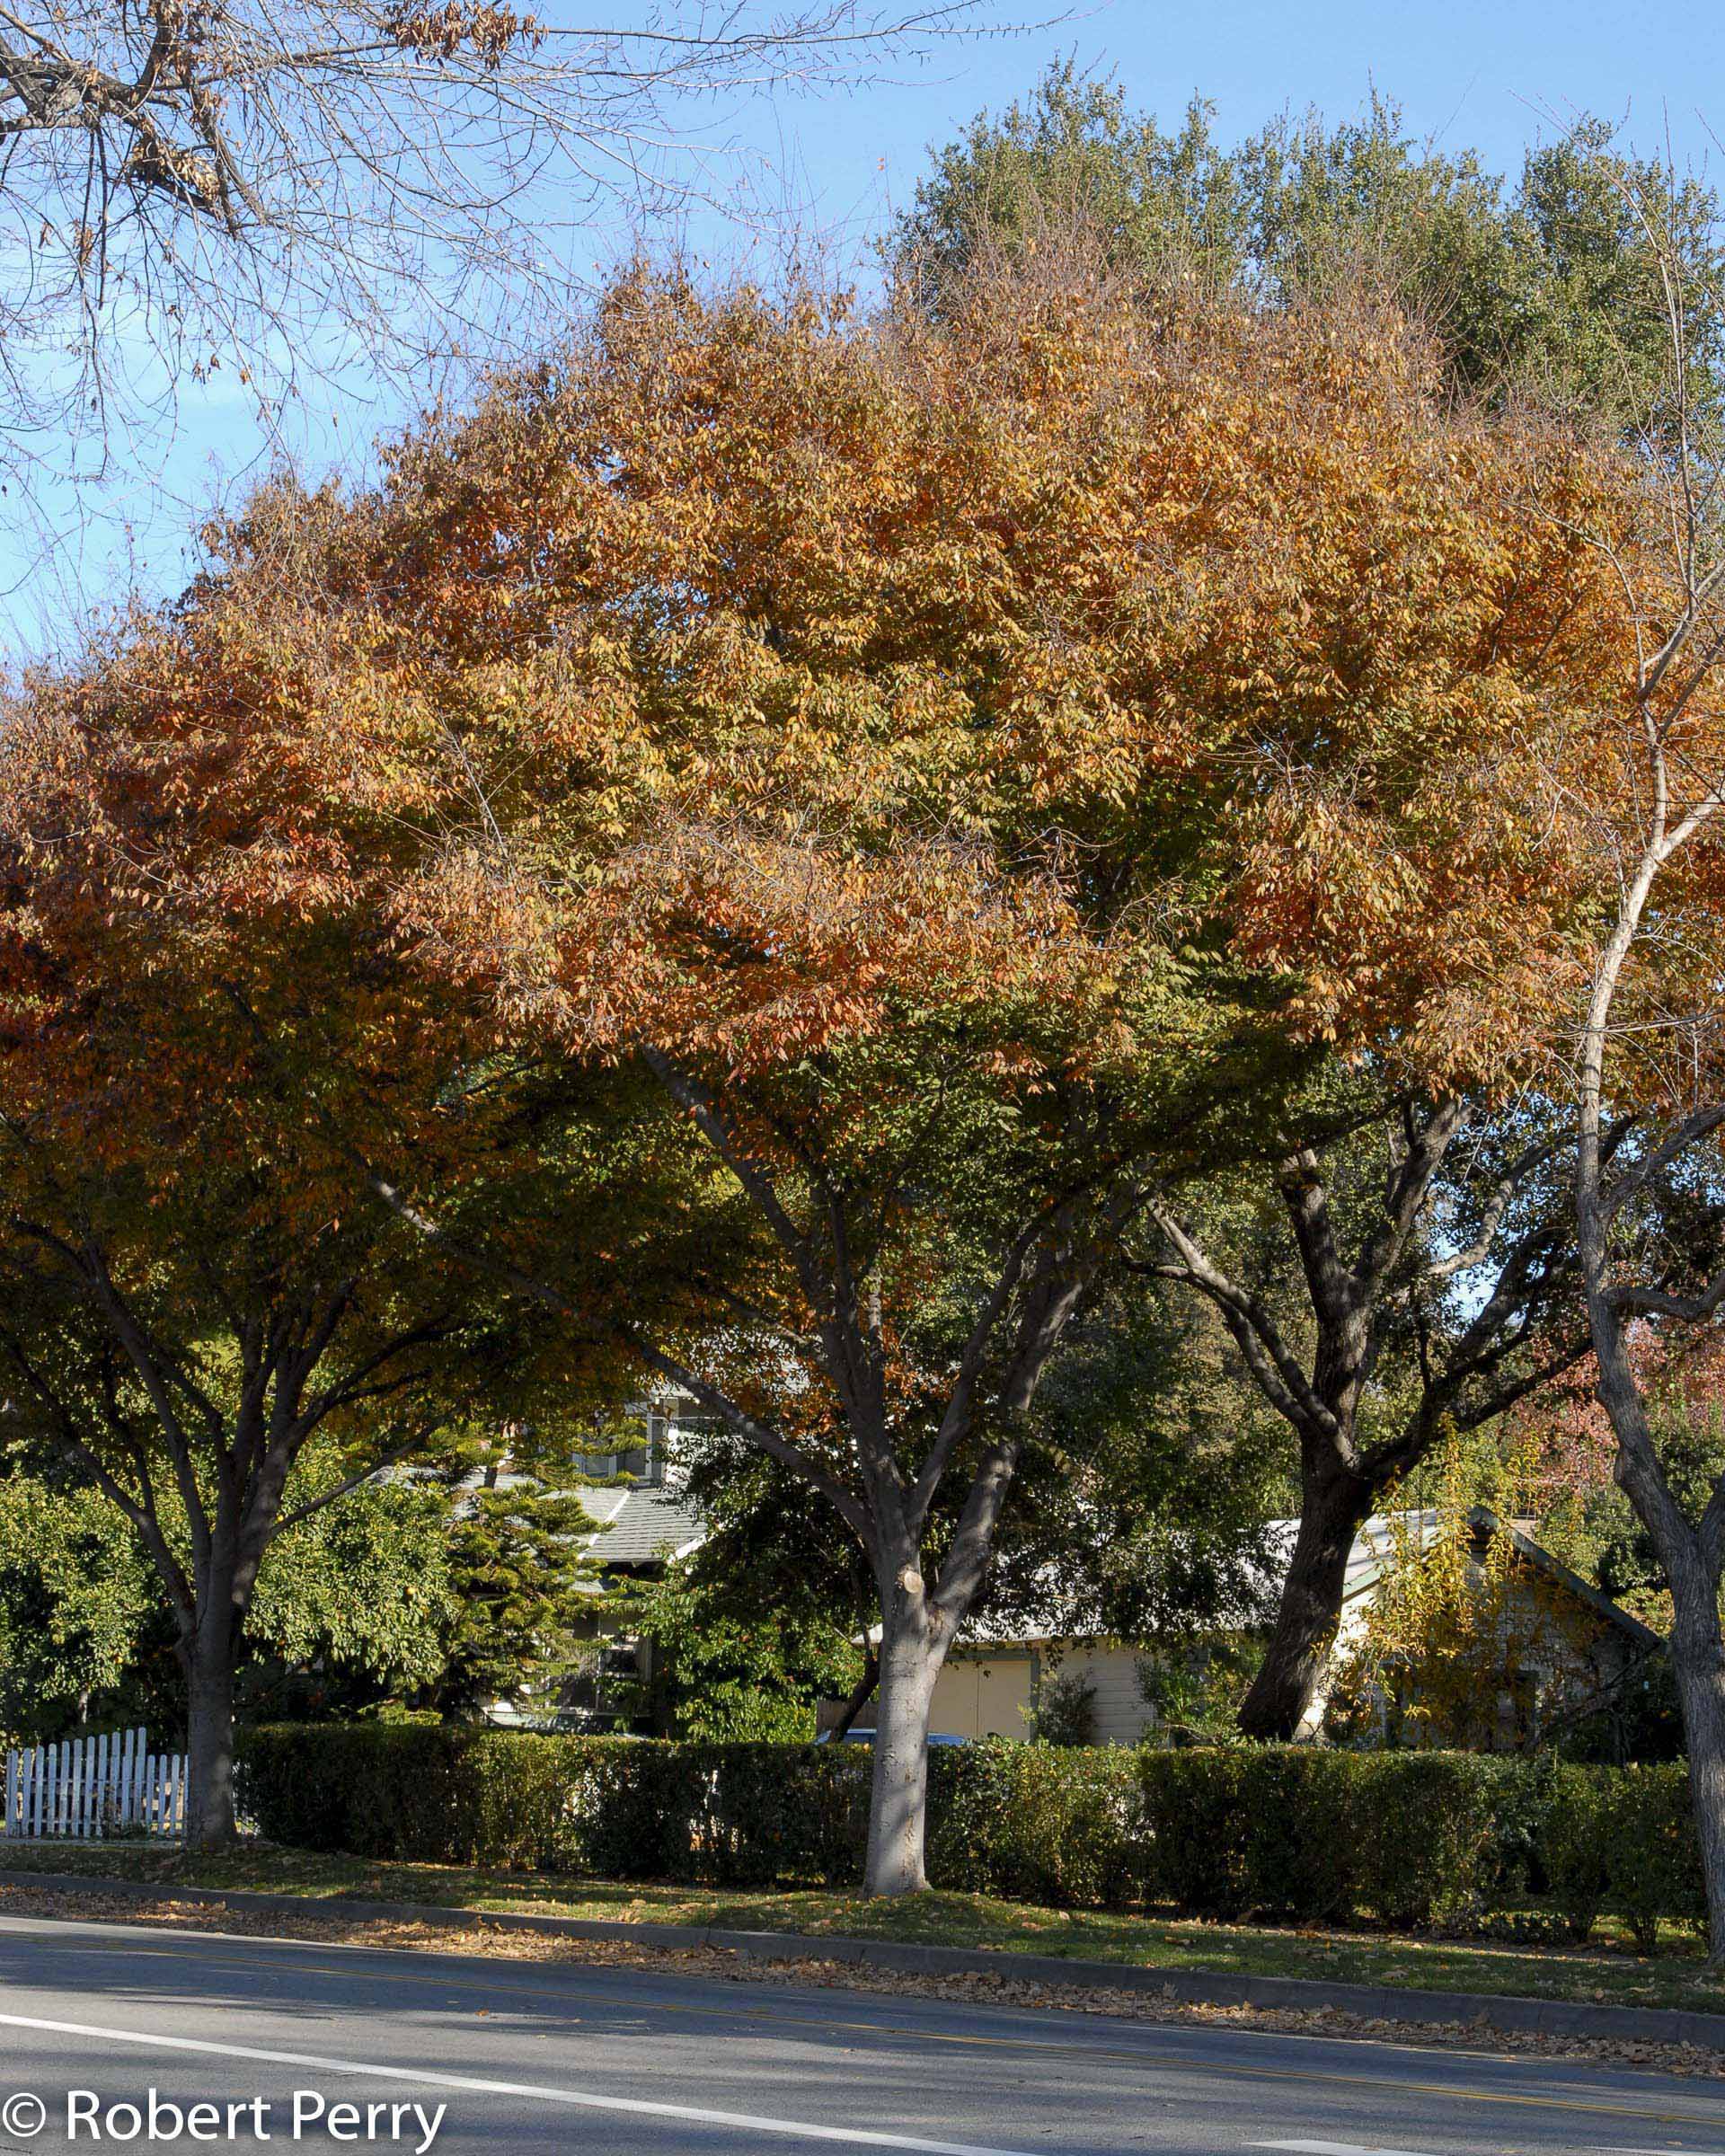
(520, 1576)
(357, 1605)
(1457, 1622)
(1157, 1466)
(1547, 287)
(727, 1672)
(1075, 155)
(353, 1608)
(1064, 1711)
(75, 1602)
(769, 1615)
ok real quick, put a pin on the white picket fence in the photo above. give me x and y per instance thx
(93, 1786)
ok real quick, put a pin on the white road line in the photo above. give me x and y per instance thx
(1345, 2148)
(852, 2136)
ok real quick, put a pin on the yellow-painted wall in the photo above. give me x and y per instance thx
(987, 1691)
(984, 1695)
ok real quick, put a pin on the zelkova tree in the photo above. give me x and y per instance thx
(1623, 794)
(192, 1297)
(849, 733)
(1425, 1264)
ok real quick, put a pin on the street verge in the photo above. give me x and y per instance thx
(1674, 2039)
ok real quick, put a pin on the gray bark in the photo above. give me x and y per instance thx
(209, 1742)
(1700, 1666)
(913, 1647)
(880, 1496)
(1691, 1552)
(209, 1648)
(1689, 1555)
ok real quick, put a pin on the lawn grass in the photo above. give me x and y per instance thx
(1607, 1970)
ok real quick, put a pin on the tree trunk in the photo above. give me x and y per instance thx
(1698, 1665)
(912, 1649)
(209, 1659)
(1334, 1505)
(1687, 1555)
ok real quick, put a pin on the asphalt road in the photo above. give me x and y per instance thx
(246, 2040)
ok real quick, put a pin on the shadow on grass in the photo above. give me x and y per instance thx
(1607, 1970)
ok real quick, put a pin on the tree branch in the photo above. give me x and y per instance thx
(844, 1502)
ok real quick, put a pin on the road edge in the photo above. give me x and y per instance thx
(1565, 2018)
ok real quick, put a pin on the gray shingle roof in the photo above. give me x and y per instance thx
(642, 1523)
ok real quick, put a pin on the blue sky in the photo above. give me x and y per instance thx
(1494, 78)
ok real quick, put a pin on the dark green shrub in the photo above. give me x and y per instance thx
(1641, 1719)
(1036, 1823)
(1653, 1856)
(726, 1815)
(1311, 1834)
(1575, 1849)
(1066, 1711)
(1294, 1832)
(1301, 1854)
(1426, 1828)
(373, 1788)
(1516, 1864)
(1196, 1820)
(629, 1811)
(764, 1813)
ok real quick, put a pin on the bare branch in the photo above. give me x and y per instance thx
(1273, 1364)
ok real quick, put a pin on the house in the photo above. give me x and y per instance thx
(641, 1524)
(1566, 1646)
(1547, 1647)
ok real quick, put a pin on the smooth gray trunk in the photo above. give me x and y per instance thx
(1686, 1551)
(911, 1654)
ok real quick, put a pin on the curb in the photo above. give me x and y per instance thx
(1372, 2001)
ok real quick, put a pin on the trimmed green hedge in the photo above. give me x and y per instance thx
(1294, 1833)
(610, 1807)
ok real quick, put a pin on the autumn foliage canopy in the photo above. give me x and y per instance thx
(824, 813)
(751, 669)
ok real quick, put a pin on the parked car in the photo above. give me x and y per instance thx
(866, 1737)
